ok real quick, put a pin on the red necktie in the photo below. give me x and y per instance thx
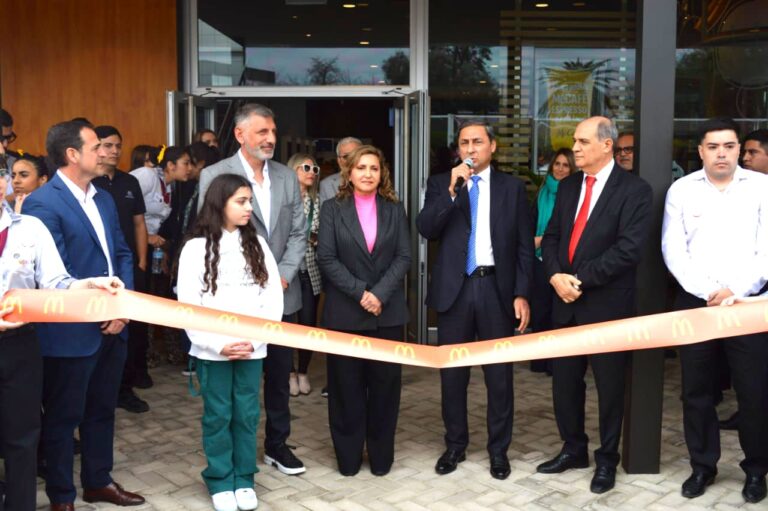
(581, 219)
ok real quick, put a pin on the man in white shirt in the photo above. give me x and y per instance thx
(715, 243)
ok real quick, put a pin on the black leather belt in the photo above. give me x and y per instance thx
(16, 332)
(482, 271)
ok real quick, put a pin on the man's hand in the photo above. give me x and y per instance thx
(155, 240)
(522, 312)
(113, 327)
(237, 350)
(284, 283)
(567, 287)
(461, 170)
(718, 296)
(371, 303)
(8, 325)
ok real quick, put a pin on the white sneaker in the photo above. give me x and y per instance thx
(304, 386)
(246, 499)
(293, 385)
(224, 501)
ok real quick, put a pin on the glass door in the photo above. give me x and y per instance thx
(186, 114)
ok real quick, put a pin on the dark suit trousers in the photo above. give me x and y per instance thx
(138, 340)
(363, 405)
(747, 357)
(569, 396)
(81, 392)
(477, 313)
(21, 383)
(277, 370)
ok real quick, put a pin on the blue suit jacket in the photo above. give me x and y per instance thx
(83, 257)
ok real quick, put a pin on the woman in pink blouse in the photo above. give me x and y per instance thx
(364, 254)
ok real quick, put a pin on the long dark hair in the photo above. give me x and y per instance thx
(209, 224)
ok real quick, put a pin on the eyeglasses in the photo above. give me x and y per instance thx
(306, 167)
(625, 150)
(8, 138)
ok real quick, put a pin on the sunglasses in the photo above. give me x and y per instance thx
(310, 168)
(8, 138)
(625, 150)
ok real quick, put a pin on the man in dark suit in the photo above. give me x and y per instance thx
(591, 249)
(83, 362)
(479, 285)
(278, 213)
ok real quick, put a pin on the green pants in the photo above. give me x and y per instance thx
(230, 393)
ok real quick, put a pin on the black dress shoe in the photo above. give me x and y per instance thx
(562, 462)
(143, 381)
(500, 466)
(448, 461)
(754, 489)
(130, 402)
(731, 423)
(695, 485)
(603, 480)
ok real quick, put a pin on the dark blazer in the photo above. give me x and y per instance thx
(448, 221)
(348, 268)
(83, 257)
(608, 252)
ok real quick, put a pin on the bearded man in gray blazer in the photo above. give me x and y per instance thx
(278, 214)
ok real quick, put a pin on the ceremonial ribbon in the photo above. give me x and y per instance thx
(643, 332)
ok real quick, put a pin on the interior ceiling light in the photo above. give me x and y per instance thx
(542, 5)
(365, 43)
(579, 4)
(308, 35)
(349, 6)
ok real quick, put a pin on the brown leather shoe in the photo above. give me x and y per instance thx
(63, 507)
(113, 494)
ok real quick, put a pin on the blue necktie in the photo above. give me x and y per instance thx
(474, 197)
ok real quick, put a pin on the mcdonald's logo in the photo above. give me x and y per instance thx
(637, 333)
(228, 319)
(96, 305)
(403, 350)
(361, 342)
(727, 319)
(502, 346)
(183, 312)
(546, 339)
(272, 327)
(13, 302)
(681, 327)
(53, 305)
(591, 338)
(458, 354)
(317, 334)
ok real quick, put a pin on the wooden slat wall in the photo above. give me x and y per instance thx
(108, 61)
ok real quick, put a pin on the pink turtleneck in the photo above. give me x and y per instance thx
(366, 213)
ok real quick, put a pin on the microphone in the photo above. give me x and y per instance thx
(460, 180)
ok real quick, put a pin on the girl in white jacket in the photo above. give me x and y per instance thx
(225, 265)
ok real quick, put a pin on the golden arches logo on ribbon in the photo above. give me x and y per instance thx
(546, 339)
(727, 319)
(96, 305)
(228, 319)
(361, 342)
(458, 353)
(183, 312)
(13, 303)
(317, 334)
(591, 338)
(637, 333)
(404, 350)
(53, 305)
(502, 345)
(272, 327)
(681, 327)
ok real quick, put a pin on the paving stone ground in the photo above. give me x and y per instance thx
(159, 455)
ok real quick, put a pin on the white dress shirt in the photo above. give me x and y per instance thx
(236, 291)
(600, 179)
(85, 199)
(483, 245)
(714, 239)
(260, 191)
(156, 209)
(30, 259)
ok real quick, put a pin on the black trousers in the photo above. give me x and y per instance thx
(747, 357)
(21, 384)
(569, 396)
(138, 341)
(477, 314)
(80, 392)
(307, 316)
(541, 309)
(363, 405)
(277, 369)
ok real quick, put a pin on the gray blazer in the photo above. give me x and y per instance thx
(329, 187)
(287, 238)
